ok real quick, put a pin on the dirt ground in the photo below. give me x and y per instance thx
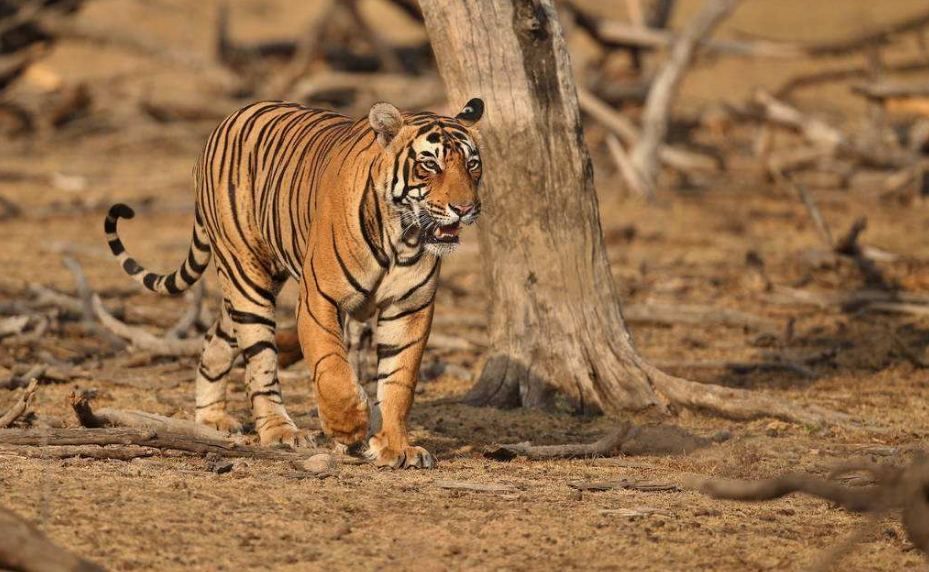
(694, 246)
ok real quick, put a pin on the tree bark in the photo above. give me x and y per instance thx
(556, 327)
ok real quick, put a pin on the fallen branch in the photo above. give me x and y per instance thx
(479, 487)
(25, 549)
(87, 310)
(18, 408)
(145, 341)
(897, 488)
(624, 484)
(147, 438)
(118, 453)
(107, 416)
(191, 316)
(607, 445)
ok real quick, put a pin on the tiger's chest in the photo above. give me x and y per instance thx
(400, 285)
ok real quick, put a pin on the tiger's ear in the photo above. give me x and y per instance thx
(386, 121)
(472, 112)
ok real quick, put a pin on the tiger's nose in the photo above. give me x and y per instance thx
(462, 209)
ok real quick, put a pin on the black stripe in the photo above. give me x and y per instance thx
(116, 247)
(256, 348)
(385, 351)
(201, 246)
(218, 376)
(192, 262)
(250, 318)
(186, 277)
(149, 281)
(171, 284)
(226, 337)
(381, 376)
(131, 266)
(406, 313)
(425, 281)
(348, 275)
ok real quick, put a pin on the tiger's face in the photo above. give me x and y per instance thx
(436, 172)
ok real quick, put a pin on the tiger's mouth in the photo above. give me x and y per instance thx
(444, 234)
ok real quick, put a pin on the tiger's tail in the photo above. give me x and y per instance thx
(174, 283)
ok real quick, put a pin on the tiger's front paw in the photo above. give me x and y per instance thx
(219, 420)
(282, 431)
(405, 457)
(347, 427)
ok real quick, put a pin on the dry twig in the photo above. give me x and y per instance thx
(18, 408)
(607, 445)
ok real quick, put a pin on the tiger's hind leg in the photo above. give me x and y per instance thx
(252, 313)
(219, 352)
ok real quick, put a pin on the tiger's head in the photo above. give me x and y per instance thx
(434, 170)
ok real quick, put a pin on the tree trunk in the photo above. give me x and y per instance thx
(556, 328)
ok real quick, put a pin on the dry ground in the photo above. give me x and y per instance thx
(174, 513)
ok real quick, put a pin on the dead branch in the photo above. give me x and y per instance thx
(881, 91)
(845, 73)
(896, 488)
(822, 134)
(36, 371)
(24, 548)
(148, 438)
(118, 453)
(812, 209)
(738, 366)
(673, 314)
(661, 96)
(306, 50)
(623, 484)
(410, 92)
(621, 34)
(87, 310)
(107, 416)
(142, 340)
(479, 487)
(879, 35)
(606, 446)
(674, 157)
(191, 316)
(22, 403)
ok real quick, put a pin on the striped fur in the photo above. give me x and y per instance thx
(359, 212)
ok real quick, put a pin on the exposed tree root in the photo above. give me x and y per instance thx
(741, 404)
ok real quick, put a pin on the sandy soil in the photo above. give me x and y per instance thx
(692, 247)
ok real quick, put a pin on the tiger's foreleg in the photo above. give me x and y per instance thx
(343, 404)
(219, 352)
(402, 333)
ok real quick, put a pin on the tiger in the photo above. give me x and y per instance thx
(360, 212)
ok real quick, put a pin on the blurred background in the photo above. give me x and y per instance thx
(785, 248)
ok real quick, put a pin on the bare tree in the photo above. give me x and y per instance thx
(556, 327)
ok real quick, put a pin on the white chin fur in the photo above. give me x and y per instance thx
(441, 249)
